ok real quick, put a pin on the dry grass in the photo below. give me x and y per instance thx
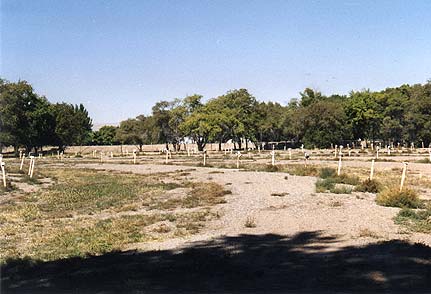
(407, 198)
(250, 222)
(93, 212)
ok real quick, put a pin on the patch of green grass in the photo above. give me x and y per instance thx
(330, 181)
(418, 221)
(392, 197)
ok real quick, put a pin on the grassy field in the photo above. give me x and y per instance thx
(88, 212)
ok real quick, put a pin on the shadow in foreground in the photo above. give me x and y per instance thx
(245, 263)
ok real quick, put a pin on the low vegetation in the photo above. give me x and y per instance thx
(418, 221)
(92, 212)
(407, 198)
(337, 184)
(370, 186)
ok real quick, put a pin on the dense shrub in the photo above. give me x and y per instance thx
(327, 172)
(371, 186)
(407, 198)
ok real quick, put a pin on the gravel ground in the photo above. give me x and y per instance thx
(354, 218)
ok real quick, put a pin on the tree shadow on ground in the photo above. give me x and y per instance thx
(245, 263)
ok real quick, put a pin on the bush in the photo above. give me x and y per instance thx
(418, 221)
(371, 186)
(272, 168)
(325, 185)
(327, 172)
(407, 198)
(341, 190)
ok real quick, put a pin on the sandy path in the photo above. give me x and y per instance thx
(354, 218)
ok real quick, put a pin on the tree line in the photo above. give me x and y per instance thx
(30, 121)
(394, 115)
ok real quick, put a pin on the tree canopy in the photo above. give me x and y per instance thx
(393, 115)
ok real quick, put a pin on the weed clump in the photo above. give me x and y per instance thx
(392, 197)
(419, 221)
(250, 222)
(327, 172)
(371, 186)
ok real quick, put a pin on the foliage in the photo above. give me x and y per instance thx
(407, 198)
(29, 120)
(370, 186)
(106, 135)
(418, 221)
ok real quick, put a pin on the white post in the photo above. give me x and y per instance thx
(32, 167)
(258, 149)
(389, 150)
(377, 152)
(336, 151)
(302, 148)
(238, 154)
(167, 156)
(273, 157)
(339, 166)
(20, 154)
(58, 154)
(112, 155)
(31, 162)
(403, 176)
(22, 162)
(372, 169)
(205, 156)
(134, 157)
(3, 174)
(290, 153)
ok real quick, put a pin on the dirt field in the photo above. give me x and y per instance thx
(274, 233)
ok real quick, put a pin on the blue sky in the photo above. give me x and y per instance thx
(120, 57)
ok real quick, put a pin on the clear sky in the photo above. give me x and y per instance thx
(120, 57)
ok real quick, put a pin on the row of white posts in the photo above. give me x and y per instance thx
(30, 168)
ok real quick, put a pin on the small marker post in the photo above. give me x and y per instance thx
(272, 157)
(339, 165)
(3, 173)
(205, 156)
(22, 162)
(403, 176)
(372, 169)
(238, 155)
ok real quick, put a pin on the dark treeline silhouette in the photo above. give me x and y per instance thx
(245, 263)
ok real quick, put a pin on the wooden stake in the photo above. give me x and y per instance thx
(339, 166)
(205, 157)
(3, 174)
(32, 167)
(403, 176)
(372, 169)
(22, 162)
